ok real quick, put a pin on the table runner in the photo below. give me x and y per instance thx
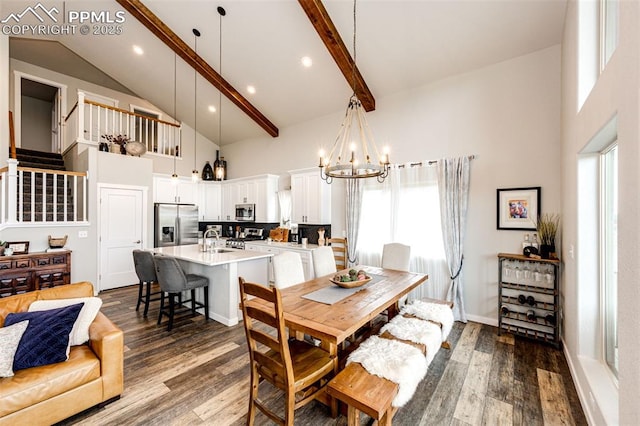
(333, 293)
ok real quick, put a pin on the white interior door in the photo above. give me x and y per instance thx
(121, 231)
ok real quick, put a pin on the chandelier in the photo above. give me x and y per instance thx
(354, 153)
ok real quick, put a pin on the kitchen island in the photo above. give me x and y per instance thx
(222, 267)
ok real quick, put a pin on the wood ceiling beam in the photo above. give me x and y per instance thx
(182, 49)
(331, 38)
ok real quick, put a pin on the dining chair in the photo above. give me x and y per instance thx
(323, 261)
(293, 366)
(146, 272)
(287, 269)
(340, 251)
(174, 281)
(396, 256)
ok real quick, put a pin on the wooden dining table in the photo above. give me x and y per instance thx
(332, 324)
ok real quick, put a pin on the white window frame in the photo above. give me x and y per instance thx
(603, 252)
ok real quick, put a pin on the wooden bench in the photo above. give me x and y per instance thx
(445, 344)
(365, 392)
(368, 393)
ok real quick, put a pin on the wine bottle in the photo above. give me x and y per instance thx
(216, 167)
(522, 299)
(223, 163)
(504, 310)
(550, 319)
(531, 316)
(531, 301)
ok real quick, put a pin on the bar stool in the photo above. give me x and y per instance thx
(174, 281)
(146, 271)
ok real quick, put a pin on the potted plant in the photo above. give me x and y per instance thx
(547, 227)
(119, 140)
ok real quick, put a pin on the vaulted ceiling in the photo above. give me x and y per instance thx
(400, 45)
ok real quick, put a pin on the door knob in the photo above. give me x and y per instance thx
(137, 242)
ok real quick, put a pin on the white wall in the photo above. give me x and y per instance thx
(507, 114)
(614, 93)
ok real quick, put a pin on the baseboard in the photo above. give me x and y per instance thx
(483, 320)
(581, 394)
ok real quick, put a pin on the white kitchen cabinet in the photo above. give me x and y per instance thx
(166, 190)
(266, 199)
(210, 203)
(228, 206)
(260, 190)
(310, 198)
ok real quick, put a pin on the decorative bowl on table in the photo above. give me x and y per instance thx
(352, 279)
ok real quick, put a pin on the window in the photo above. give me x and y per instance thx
(608, 30)
(405, 209)
(609, 254)
(144, 130)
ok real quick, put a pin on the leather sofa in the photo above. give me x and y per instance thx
(51, 393)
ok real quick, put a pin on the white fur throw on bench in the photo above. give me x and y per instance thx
(432, 312)
(396, 361)
(417, 331)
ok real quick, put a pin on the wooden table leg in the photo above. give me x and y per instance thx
(353, 416)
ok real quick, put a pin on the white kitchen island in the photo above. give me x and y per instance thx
(223, 269)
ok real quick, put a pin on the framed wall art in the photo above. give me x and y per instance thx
(19, 247)
(518, 208)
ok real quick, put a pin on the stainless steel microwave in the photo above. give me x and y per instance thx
(245, 212)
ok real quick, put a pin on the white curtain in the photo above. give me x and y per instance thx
(453, 184)
(284, 199)
(354, 202)
(405, 209)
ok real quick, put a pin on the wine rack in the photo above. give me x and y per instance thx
(528, 294)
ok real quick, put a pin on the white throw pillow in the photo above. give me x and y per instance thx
(9, 339)
(80, 332)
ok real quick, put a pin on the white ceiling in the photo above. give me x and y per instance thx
(400, 45)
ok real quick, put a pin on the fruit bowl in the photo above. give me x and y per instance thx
(350, 284)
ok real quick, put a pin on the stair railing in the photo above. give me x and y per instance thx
(88, 121)
(41, 204)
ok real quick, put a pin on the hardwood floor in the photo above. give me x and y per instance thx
(198, 374)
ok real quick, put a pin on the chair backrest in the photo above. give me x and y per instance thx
(265, 325)
(170, 275)
(340, 251)
(396, 256)
(145, 268)
(323, 261)
(287, 269)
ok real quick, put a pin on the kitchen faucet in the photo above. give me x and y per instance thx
(205, 236)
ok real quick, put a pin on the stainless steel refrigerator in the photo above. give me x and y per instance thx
(175, 224)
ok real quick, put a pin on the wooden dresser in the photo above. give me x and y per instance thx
(28, 272)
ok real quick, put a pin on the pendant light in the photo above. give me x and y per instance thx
(174, 176)
(349, 159)
(220, 166)
(195, 174)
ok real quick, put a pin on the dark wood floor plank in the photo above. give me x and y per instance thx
(502, 373)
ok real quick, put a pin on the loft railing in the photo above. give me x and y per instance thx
(88, 121)
(42, 196)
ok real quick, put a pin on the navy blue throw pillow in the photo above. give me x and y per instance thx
(46, 339)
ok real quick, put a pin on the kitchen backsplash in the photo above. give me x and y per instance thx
(304, 231)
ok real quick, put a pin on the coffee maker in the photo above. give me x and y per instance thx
(294, 233)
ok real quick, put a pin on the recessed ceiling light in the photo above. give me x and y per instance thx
(212, 108)
(251, 89)
(138, 50)
(306, 61)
